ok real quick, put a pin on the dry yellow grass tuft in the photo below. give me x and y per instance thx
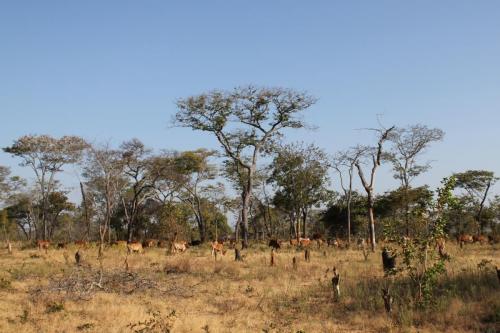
(191, 292)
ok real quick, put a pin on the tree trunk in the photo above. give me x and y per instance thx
(371, 221)
(349, 219)
(304, 220)
(244, 216)
(481, 206)
(237, 228)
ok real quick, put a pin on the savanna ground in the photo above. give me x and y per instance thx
(190, 292)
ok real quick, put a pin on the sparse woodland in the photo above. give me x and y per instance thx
(301, 241)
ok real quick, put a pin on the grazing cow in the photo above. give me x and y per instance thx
(217, 248)
(304, 242)
(275, 244)
(149, 243)
(481, 239)
(464, 238)
(43, 244)
(195, 242)
(135, 247)
(294, 242)
(179, 247)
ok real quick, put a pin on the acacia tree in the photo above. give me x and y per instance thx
(408, 144)
(374, 155)
(139, 167)
(46, 156)
(246, 122)
(344, 162)
(477, 184)
(195, 190)
(300, 174)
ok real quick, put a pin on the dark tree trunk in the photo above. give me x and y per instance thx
(371, 221)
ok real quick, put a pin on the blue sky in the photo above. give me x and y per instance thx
(111, 70)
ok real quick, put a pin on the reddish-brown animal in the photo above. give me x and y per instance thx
(464, 238)
(304, 242)
(481, 239)
(179, 247)
(43, 244)
(217, 248)
(135, 247)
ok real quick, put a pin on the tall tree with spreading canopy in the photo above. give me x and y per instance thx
(408, 144)
(300, 174)
(196, 189)
(477, 184)
(246, 121)
(46, 156)
(373, 156)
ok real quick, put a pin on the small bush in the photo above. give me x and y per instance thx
(5, 283)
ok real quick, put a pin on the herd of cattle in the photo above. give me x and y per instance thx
(221, 245)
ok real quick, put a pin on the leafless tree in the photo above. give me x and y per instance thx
(373, 156)
(344, 162)
(104, 174)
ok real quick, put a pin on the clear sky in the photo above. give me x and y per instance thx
(111, 70)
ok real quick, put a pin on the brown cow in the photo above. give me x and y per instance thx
(481, 239)
(135, 247)
(464, 238)
(294, 242)
(43, 244)
(217, 248)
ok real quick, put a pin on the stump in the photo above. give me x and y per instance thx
(336, 285)
(237, 255)
(388, 261)
(78, 258)
(307, 255)
(498, 273)
(272, 257)
(9, 247)
(294, 263)
(388, 299)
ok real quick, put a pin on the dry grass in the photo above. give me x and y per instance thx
(190, 292)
